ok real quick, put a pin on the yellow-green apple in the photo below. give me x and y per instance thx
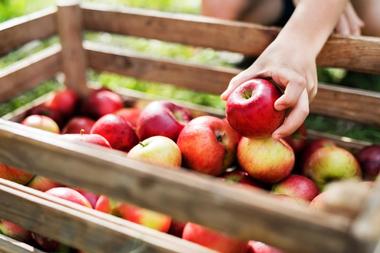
(103, 204)
(297, 187)
(158, 150)
(311, 147)
(212, 239)
(259, 247)
(101, 102)
(14, 231)
(239, 177)
(331, 163)
(147, 218)
(369, 159)
(250, 108)
(130, 114)
(208, 145)
(88, 138)
(78, 125)
(117, 131)
(63, 101)
(162, 118)
(266, 159)
(298, 139)
(42, 183)
(41, 122)
(14, 174)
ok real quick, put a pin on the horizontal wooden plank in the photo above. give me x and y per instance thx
(29, 72)
(79, 226)
(35, 26)
(198, 198)
(354, 53)
(9, 245)
(331, 100)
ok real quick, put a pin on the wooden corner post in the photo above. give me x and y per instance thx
(73, 55)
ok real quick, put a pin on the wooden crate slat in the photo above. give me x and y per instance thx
(354, 53)
(78, 226)
(198, 198)
(29, 72)
(347, 103)
(9, 245)
(35, 26)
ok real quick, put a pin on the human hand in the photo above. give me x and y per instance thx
(294, 72)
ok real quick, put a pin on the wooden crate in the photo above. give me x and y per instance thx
(185, 195)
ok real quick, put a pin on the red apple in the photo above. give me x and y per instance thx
(117, 131)
(91, 197)
(250, 109)
(49, 112)
(176, 228)
(102, 102)
(14, 231)
(312, 147)
(88, 138)
(240, 177)
(259, 247)
(369, 159)
(103, 204)
(143, 217)
(331, 163)
(130, 114)
(208, 145)
(78, 125)
(213, 239)
(298, 139)
(64, 101)
(158, 150)
(267, 160)
(162, 118)
(41, 122)
(42, 184)
(298, 187)
(14, 174)
(70, 195)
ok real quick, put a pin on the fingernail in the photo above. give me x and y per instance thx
(276, 136)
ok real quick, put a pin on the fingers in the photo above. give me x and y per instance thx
(349, 23)
(291, 95)
(343, 27)
(295, 118)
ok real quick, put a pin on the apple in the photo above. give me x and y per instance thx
(143, 217)
(90, 196)
(78, 125)
(298, 139)
(298, 187)
(158, 150)
(176, 228)
(88, 138)
(64, 101)
(239, 177)
(266, 159)
(331, 163)
(213, 239)
(103, 204)
(41, 122)
(14, 174)
(259, 247)
(162, 118)
(208, 145)
(130, 114)
(102, 102)
(311, 147)
(14, 231)
(49, 112)
(250, 109)
(42, 183)
(117, 131)
(369, 159)
(289, 199)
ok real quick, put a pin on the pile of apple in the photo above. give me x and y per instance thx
(238, 149)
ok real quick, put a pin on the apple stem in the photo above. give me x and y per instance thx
(142, 144)
(219, 136)
(82, 131)
(247, 94)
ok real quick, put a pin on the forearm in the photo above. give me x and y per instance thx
(311, 24)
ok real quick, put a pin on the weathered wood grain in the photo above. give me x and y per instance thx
(81, 227)
(35, 26)
(196, 197)
(331, 100)
(29, 72)
(354, 53)
(9, 245)
(73, 56)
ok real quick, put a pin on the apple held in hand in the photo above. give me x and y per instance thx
(208, 145)
(42, 184)
(15, 175)
(267, 160)
(162, 118)
(117, 131)
(369, 159)
(41, 122)
(143, 217)
(250, 109)
(88, 138)
(14, 231)
(213, 239)
(331, 163)
(157, 150)
(101, 102)
(298, 187)
(78, 125)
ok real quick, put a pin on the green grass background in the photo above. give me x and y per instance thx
(13, 8)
